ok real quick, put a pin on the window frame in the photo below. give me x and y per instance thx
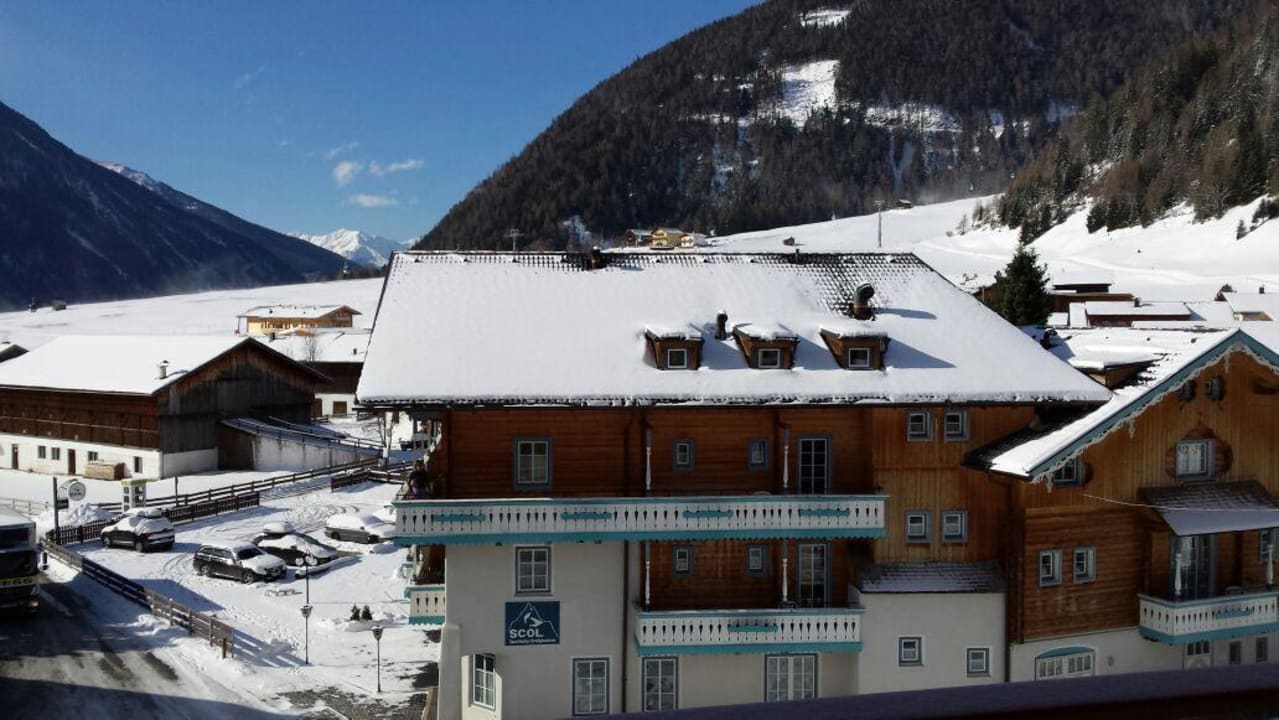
(519, 561)
(981, 652)
(1234, 653)
(683, 364)
(675, 453)
(1061, 665)
(927, 433)
(962, 435)
(927, 517)
(676, 551)
(1055, 577)
(644, 678)
(851, 365)
(573, 679)
(962, 536)
(55, 452)
(91, 456)
(1089, 553)
(1267, 538)
(790, 661)
(1261, 649)
(516, 455)
(1075, 467)
(903, 642)
(750, 454)
(42, 452)
(762, 551)
(137, 463)
(490, 691)
(1208, 458)
(759, 358)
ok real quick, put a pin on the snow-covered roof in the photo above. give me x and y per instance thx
(674, 332)
(323, 344)
(540, 328)
(1083, 277)
(1204, 508)
(850, 328)
(931, 577)
(114, 363)
(1253, 303)
(1078, 318)
(1177, 354)
(295, 312)
(1124, 308)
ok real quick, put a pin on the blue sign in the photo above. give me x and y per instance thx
(532, 623)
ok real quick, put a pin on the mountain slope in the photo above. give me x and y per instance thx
(797, 110)
(77, 231)
(358, 247)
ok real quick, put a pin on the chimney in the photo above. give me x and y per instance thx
(596, 260)
(721, 326)
(861, 301)
(1261, 290)
(1136, 302)
(164, 369)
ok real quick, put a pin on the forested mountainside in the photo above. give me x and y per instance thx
(1200, 125)
(797, 110)
(73, 230)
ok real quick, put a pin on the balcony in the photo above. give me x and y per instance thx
(1187, 621)
(688, 632)
(426, 604)
(448, 522)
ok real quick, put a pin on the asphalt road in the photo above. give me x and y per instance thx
(74, 660)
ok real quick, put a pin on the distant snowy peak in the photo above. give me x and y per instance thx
(136, 176)
(358, 247)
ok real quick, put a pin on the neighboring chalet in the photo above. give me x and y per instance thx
(725, 478)
(1142, 534)
(267, 319)
(666, 238)
(152, 404)
(338, 354)
(1080, 287)
(638, 237)
(1251, 307)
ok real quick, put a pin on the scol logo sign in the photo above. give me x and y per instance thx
(532, 623)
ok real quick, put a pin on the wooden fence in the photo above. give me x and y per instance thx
(177, 515)
(26, 507)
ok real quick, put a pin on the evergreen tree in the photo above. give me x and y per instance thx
(1023, 297)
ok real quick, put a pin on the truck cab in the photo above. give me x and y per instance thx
(19, 587)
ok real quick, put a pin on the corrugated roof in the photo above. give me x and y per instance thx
(1211, 507)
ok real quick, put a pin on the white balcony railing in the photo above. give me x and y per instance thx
(426, 604)
(421, 522)
(1186, 621)
(737, 631)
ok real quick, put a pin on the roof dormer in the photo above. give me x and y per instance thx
(675, 348)
(856, 345)
(767, 346)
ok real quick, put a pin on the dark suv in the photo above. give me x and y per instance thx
(238, 561)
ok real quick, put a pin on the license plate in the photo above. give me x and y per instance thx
(14, 582)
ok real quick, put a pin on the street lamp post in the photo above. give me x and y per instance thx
(306, 634)
(377, 636)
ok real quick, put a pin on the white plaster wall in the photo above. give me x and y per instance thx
(274, 454)
(734, 679)
(1117, 651)
(534, 682)
(949, 623)
(327, 400)
(28, 451)
(194, 461)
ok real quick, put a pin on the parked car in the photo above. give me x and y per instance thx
(238, 561)
(294, 548)
(358, 527)
(141, 529)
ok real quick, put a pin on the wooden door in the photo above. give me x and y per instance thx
(70, 461)
(813, 574)
(13, 457)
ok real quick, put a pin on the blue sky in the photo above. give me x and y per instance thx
(311, 116)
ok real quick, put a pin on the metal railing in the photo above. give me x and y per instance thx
(24, 506)
(781, 630)
(1185, 621)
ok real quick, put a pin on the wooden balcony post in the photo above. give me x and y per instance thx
(648, 563)
(785, 572)
(648, 461)
(785, 461)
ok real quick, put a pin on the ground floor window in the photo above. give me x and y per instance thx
(55, 453)
(40, 452)
(93, 456)
(590, 686)
(1263, 649)
(661, 680)
(484, 681)
(978, 662)
(137, 464)
(1069, 662)
(790, 677)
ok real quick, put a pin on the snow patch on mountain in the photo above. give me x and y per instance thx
(823, 17)
(136, 176)
(806, 88)
(358, 247)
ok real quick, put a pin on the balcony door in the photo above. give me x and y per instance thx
(814, 466)
(1193, 561)
(812, 581)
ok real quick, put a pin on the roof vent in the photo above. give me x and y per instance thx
(163, 368)
(861, 301)
(721, 326)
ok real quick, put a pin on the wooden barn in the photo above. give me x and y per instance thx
(150, 403)
(338, 354)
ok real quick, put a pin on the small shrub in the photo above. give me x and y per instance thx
(355, 613)
(366, 614)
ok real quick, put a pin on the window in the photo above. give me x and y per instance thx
(1263, 649)
(484, 682)
(683, 454)
(919, 426)
(137, 464)
(682, 560)
(1069, 662)
(756, 559)
(339, 407)
(790, 677)
(1236, 652)
(1085, 564)
(1199, 647)
(532, 570)
(978, 662)
(1049, 567)
(768, 358)
(910, 650)
(1069, 474)
(590, 686)
(917, 523)
(1194, 459)
(757, 454)
(858, 358)
(954, 526)
(1266, 540)
(1186, 392)
(532, 463)
(956, 425)
(661, 683)
(41, 452)
(55, 453)
(676, 359)
(93, 455)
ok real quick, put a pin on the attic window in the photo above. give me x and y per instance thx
(859, 358)
(675, 348)
(768, 358)
(676, 358)
(767, 347)
(856, 345)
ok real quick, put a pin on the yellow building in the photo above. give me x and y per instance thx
(268, 319)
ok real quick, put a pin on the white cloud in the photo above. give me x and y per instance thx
(340, 149)
(378, 169)
(248, 77)
(372, 201)
(345, 171)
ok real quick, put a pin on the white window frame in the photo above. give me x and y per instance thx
(42, 452)
(684, 445)
(1054, 575)
(1199, 647)
(858, 358)
(532, 444)
(55, 452)
(775, 364)
(484, 680)
(91, 456)
(926, 432)
(977, 661)
(1070, 474)
(1078, 664)
(924, 520)
(527, 556)
(596, 704)
(910, 650)
(1089, 557)
(687, 552)
(790, 668)
(659, 698)
(1203, 470)
(754, 552)
(762, 445)
(682, 364)
(960, 434)
(949, 518)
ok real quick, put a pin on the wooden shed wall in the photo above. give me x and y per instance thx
(128, 420)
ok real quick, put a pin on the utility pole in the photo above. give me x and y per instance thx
(513, 235)
(879, 237)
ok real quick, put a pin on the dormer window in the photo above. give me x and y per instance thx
(859, 358)
(856, 344)
(676, 358)
(675, 348)
(766, 347)
(768, 358)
